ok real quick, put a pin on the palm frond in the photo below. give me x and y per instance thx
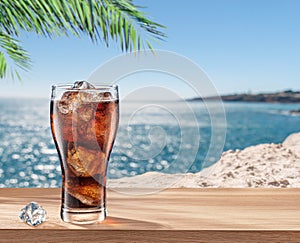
(102, 20)
(15, 52)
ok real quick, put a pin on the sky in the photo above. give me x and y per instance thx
(242, 45)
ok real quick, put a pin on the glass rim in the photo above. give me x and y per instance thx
(98, 86)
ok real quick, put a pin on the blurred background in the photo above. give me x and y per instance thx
(243, 46)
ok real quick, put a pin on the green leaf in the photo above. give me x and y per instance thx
(102, 20)
(133, 37)
(15, 52)
(126, 34)
(3, 65)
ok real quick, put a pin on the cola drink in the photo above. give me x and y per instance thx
(84, 121)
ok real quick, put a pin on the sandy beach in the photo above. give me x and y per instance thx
(264, 165)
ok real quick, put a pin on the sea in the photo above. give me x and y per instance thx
(165, 136)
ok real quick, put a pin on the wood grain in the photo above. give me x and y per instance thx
(172, 215)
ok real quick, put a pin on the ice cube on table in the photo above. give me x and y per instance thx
(33, 214)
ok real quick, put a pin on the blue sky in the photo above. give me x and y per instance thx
(243, 45)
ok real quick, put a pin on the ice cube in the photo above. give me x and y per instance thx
(82, 85)
(86, 112)
(88, 193)
(68, 102)
(33, 214)
(88, 97)
(85, 162)
(71, 100)
(107, 96)
(64, 107)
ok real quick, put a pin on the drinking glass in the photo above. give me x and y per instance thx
(84, 122)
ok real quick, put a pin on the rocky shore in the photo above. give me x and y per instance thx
(264, 165)
(295, 112)
(287, 96)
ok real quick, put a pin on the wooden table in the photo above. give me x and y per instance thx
(172, 215)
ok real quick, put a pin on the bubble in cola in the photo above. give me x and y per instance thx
(84, 123)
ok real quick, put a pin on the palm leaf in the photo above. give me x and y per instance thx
(15, 52)
(102, 20)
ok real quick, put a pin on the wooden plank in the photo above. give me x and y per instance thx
(247, 215)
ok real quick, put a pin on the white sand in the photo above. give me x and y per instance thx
(264, 165)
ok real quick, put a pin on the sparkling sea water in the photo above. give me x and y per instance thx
(150, 138)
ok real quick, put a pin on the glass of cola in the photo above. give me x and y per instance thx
(84, 122)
